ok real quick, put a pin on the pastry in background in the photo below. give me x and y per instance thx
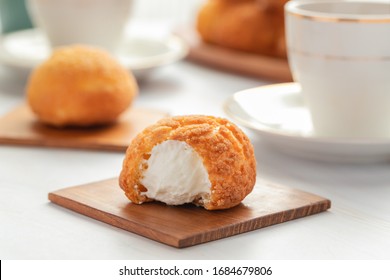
(255, 26)
(204, 160)
(80, 86)
(272, 5)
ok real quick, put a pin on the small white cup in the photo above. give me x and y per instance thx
(93, 22)
(340, 54)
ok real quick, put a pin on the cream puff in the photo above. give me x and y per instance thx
(80, 86)
(253, 26)
(204, 160)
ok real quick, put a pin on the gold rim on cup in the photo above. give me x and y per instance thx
(339, 57)
(322, 16)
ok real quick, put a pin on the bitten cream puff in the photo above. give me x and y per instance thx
(204, 160)
(80, 86)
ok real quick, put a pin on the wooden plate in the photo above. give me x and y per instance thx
(20, 127)
(183, 226)
(264, 67)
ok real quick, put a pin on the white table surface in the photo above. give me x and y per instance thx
(356, 227)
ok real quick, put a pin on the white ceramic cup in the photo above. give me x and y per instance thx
(93, 22)
(340, 54)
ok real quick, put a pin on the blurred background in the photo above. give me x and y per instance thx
(14, 16)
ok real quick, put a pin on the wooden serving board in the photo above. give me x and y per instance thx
(264, 67)
(183, 226)
(20, 127)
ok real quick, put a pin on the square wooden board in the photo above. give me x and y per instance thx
(183, 226)
(20, 127)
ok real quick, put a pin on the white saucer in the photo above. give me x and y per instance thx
(278, 114)
(23, 50)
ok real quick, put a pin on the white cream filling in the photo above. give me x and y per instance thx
(175, 174)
